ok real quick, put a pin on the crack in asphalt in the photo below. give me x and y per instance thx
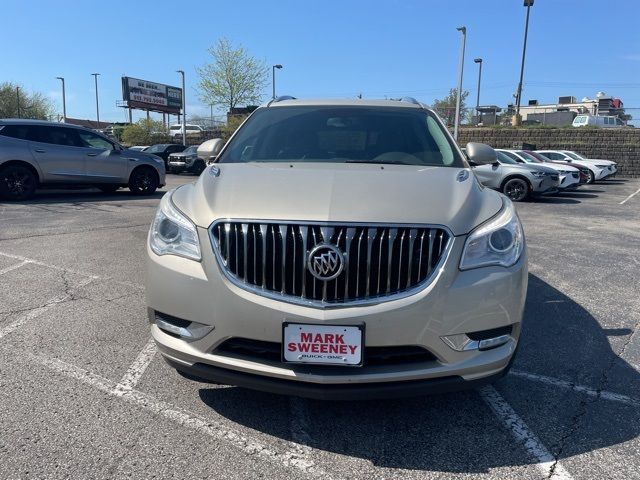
(588, 401)
(114, 227)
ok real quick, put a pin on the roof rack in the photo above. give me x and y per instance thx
(280, 99)
(411, 100)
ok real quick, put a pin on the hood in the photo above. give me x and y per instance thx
(596, 161)
(561, 167)
(330, 192)
(538, 167)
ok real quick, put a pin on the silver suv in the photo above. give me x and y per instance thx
(36, 154)
(517, 181)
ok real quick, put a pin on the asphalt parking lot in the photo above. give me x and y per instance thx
(85, 395)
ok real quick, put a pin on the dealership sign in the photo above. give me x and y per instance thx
(152, 96)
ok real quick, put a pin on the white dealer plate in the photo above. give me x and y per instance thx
(324, 344)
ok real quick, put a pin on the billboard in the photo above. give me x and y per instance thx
(152, 96)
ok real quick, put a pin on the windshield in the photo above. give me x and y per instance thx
(504, 158)
(193, 149)
(575, 156)
(528, 157)
(155, 148)
(358, 134)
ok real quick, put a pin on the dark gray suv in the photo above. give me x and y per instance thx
(36, 154)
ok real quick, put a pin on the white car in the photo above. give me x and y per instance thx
(600, 169)
(598, 121)
(176, 130)
(569, 176)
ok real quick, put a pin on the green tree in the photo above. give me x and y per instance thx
(446, 107)
(233, 77)
(15, 102)
(144, 132)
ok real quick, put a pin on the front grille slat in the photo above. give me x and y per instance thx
(272, 259)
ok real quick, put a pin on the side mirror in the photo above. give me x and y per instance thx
(210, 149)
(481, 154)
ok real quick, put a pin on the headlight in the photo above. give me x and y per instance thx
(539, 173)
(172, 233)
(499, 241)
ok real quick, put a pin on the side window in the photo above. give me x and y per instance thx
(58, 136)
(552, 156)
(92, 140)
(16, 131)
(512, 156)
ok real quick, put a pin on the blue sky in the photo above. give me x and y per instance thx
(329, 48)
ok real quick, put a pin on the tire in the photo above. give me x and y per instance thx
(109, 188)
(592, 177)
(517, 189)
(143, 181)
(17, 183)
(198, 167)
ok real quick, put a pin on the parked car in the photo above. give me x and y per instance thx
(36, 154)
(517, 181)
(186, 161)
(599, 169)
(339, 250)
(602, 121)
(176, 130)
(163, 150)
(536, 157)
(569, 175)
(139, 148)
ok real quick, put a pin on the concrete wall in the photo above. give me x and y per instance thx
(618, 145)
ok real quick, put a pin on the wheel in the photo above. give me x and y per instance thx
(198, 167)
(109, 188)
(517, 189)
(17, 183)
(143, 181)
(592, 177)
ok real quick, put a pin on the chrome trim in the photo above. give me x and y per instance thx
(278, 296)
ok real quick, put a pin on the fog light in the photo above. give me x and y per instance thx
(181, 328)
(462, 343)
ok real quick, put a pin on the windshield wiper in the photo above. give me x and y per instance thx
(373, 162)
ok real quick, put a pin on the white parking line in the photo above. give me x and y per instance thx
(556, 382)
(36, 312)
(208, 426)
(136, 370)
(298, 427)
(523, 435)
(68, 270)
(630, 197)
(11, 268)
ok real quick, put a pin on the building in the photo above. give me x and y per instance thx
(568, 107)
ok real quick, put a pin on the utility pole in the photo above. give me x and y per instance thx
(517, 120)
(184, 113)
(479, 62)
(18, 100)
(456, 124)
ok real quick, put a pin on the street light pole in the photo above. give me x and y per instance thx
(273, 78)
(479, 62)
(456, 125)
(528, 4)
(18, 99)
(64, 101)
(184, 112)
(95, 76)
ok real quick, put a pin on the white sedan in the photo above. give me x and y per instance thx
(600, 169)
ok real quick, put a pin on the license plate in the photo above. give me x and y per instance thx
(322, 344)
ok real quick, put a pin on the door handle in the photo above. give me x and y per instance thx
(39, 150)
(92, 154)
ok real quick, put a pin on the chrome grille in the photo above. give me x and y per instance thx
(381, 261)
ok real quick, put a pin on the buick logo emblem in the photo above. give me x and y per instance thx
(325, 262)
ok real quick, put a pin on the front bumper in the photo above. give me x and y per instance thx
(544, 186)
(455, 302)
